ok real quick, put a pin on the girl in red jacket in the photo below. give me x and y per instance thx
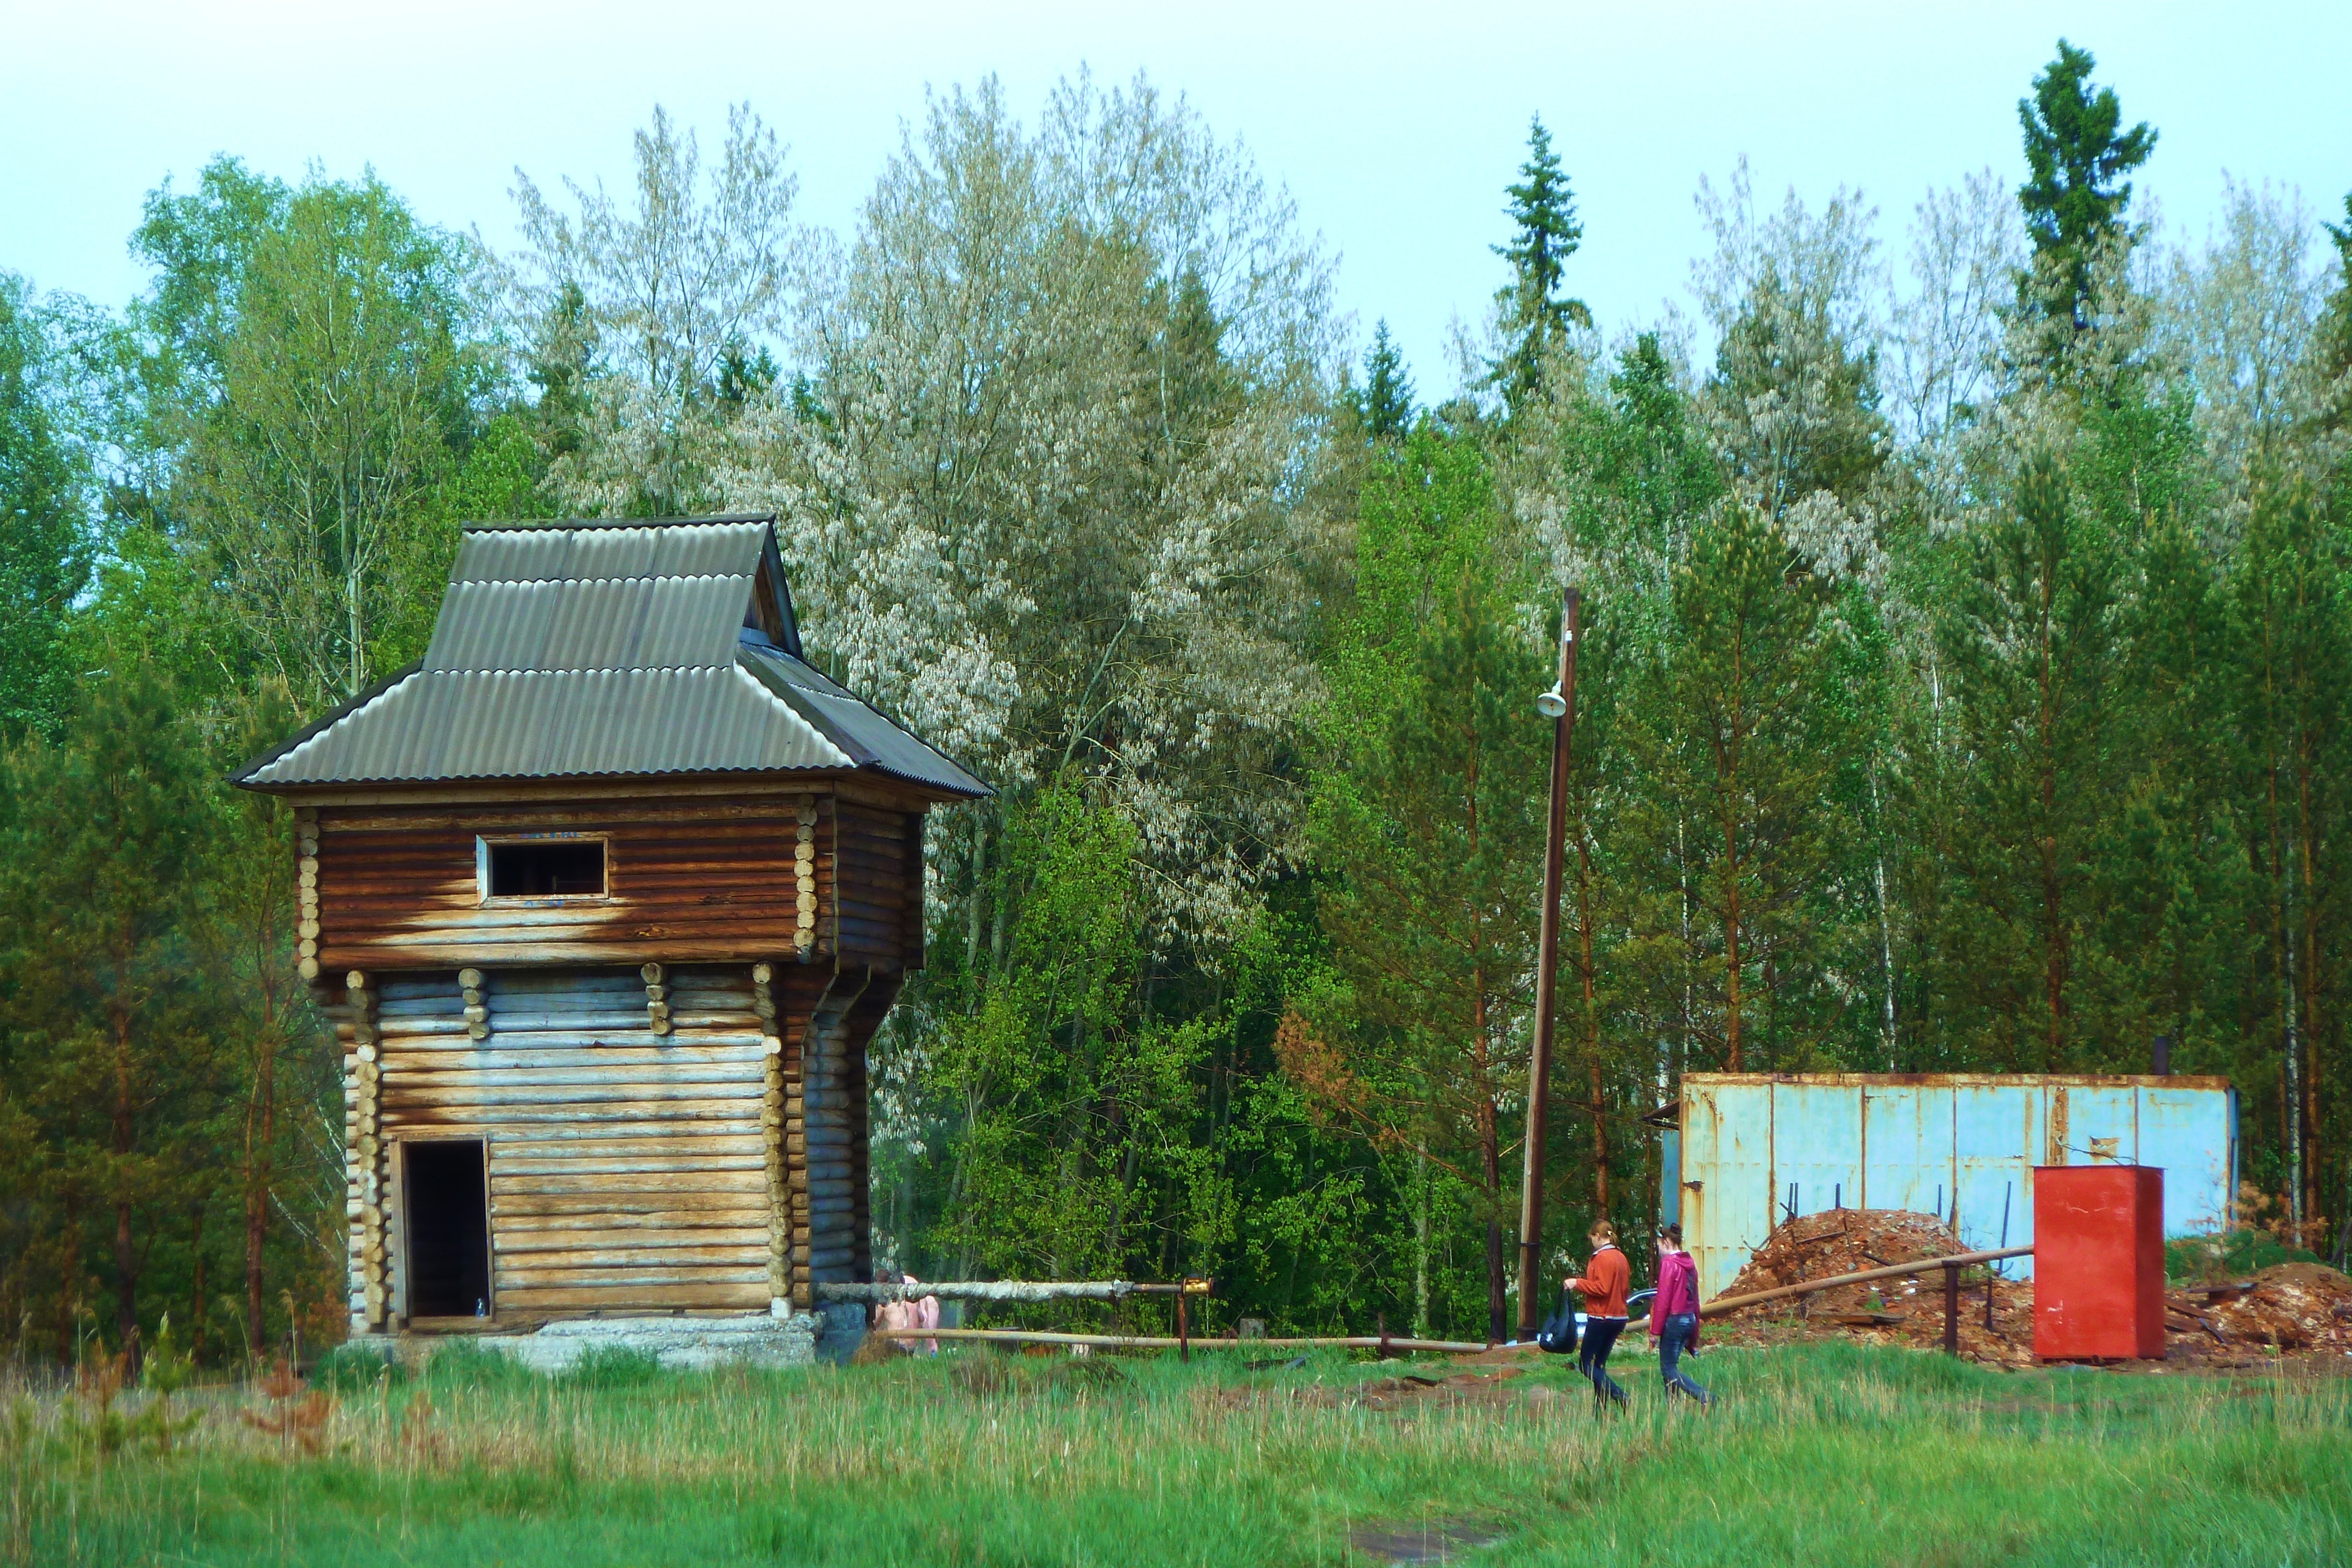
(1603, 1285)
(1673, 1315)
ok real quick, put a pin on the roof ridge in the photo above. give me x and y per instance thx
(556, 524)
(632, 577)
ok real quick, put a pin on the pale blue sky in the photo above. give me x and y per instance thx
(1395, 127)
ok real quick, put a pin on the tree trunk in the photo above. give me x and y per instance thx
(2054, 929)
(196, 1305)
(259, 1172)
(124, 1141)
(1420, 1244)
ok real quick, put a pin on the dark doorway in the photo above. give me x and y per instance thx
(448, 1230)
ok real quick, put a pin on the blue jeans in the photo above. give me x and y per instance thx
(1680, 1329)
(1592, 1357)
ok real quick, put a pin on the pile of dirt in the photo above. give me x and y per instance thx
(1882, 1311)
(2300, 1311)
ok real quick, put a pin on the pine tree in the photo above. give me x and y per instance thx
(2291, 591)
(1536, 315)
(1432, 841)
(100, 875)
(2030, 646)
(1739, 735)
(2074, 159)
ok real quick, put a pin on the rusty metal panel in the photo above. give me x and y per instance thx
(1997, 1135)
(2193, 1140)
(2102, 1126)
(1816, 1145)
(1907, 1139)
(1728, 1180)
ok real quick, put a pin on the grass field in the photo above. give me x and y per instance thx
(1823, 1455)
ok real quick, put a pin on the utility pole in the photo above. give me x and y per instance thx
(1559, 704)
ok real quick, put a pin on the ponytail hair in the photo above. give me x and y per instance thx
(1603, 1231)
(1671, 1234)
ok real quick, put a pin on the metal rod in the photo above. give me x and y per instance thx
(1951, 1308)
(1563, 741)
(1012, 1290)
(1183, 1331)
(1162, 1342)
(1722, 1304)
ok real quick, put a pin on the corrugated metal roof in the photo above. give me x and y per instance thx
(592, 649)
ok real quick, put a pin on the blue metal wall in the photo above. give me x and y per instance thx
(1753, 1149)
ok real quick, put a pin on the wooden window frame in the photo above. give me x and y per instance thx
(485, 898)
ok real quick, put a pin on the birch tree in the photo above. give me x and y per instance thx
(656, 310)
(342, 385)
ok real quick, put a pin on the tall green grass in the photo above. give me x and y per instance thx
(1820, 1455)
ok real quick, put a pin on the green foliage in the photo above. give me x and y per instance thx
(1386, 405)
(45, 544)
(1536, 315)
(349, 1370)
(2236, 1254)
(1742, 734)
(2032, 639)
(2077, 156)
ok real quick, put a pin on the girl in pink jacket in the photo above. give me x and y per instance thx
(1673, 1315)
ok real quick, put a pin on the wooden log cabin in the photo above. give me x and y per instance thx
(606, 896)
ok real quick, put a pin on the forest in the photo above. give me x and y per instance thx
(1967, 633)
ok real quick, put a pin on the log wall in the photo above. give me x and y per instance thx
(660, 1139)
(626, 1165)
(388, 886)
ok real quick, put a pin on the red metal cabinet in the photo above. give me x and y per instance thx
(2098, 1262)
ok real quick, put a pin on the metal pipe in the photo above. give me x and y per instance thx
(1163, 1342)
(1563, 739)
(1722, 1304)
(1005, 1290)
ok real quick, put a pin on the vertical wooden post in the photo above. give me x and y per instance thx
(804, 882)
(771, 1139)
(1547, 972)
(306, 883)
(366, 1154)
(1951, 1308)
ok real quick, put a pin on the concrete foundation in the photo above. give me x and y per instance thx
(841, 1329)
(680, 1344)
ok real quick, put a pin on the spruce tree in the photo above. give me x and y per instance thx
(1535, 313)
(2074, 194)
(1387, 402)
